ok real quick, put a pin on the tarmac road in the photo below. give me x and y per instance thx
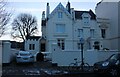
(39, 69)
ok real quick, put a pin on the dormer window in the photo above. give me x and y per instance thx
(86, 20)
(60, 14)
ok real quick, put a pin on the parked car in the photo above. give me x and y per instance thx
(24, 57)
(111, 66)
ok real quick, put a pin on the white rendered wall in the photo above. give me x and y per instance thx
(37, 46)
(52, 35)
(6, 52)
(86, 32)
(109, 10)
(64, 58)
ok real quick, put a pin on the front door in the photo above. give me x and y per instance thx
(43, 48)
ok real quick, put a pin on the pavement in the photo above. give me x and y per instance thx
(40, 69)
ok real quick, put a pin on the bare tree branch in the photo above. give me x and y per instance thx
(4, 17)
(25, 25)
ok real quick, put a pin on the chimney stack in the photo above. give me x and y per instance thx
(43, 15)
(47, 10)
(68, 7)
(73, 13)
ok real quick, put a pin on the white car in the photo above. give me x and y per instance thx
(24, 57)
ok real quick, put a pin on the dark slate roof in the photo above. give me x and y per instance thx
(78, 14)
(33, 37)
(43, 23)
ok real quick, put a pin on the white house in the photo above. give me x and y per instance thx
(108, 17)
(65, 26)
(62, 30)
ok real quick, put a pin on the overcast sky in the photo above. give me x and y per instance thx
(35, 7)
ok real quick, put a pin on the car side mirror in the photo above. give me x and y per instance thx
(117, 62)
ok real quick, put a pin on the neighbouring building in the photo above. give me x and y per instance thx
(108, 17)
(17, 45)
(5, 52)
(65, 27)
(35, 44)
(32, 44)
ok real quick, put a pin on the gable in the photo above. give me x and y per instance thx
(60, 8)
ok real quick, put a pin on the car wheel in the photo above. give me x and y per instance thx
(113, 72)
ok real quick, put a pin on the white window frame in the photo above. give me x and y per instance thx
(80, 33)
(60, 14)
(31, 46)
(61, 43)
(86, 21)
(92, 33)
(60, 28)
(103, 33)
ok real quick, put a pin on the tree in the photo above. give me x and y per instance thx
(23, 26)
(4, 17)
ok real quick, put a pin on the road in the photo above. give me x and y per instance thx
(39, 69)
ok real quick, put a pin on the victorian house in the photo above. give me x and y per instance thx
(66, 26)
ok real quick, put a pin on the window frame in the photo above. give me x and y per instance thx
(31, 46)
(60, 28)
(60, 14)
(92, 33)
(61, 43)
(80, 33)
(103, 33)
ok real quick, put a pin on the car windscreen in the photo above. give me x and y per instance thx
(24, 54)
(114, 57)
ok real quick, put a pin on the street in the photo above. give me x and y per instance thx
(39, 69)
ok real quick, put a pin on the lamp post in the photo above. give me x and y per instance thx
(82, 43)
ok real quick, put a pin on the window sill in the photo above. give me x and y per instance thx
(86, 26)
(60, 35)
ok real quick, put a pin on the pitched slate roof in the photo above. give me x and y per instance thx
(78, 14)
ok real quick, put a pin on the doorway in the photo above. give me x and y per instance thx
(43, 47)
